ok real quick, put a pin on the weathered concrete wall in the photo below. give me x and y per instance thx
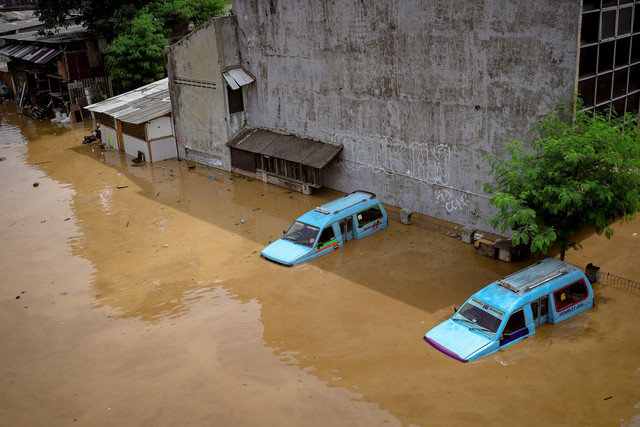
(198, 90)
(417, 91)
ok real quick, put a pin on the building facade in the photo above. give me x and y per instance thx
(416, 93)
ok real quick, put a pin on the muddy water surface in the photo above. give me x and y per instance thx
(136, 296)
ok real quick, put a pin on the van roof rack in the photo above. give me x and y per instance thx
(523, 281)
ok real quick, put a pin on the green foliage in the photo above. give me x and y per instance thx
(582, 169)
(136, 57)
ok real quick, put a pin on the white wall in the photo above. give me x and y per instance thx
(159, 128)
(164, 148)
(109, 136)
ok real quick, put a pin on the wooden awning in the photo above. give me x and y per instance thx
(308, 152)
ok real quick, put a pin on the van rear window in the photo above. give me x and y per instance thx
(570, 295)
(370, 215)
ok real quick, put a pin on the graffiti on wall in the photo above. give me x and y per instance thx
(423, 162)
(451, 201)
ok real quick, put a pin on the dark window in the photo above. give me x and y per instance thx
(544, 306)
(372, 214)
(326, 236)
(620, 83)
(635, 48)
(624, 21)
(609, 3)
(516, 322)
(236, 103)
(618, 106)
(605, 62)
(633, 103)
(587, 90)
(636, 20)
(622, 51)
(570, 295)
(608, 24)
(590, 5)
(137, 131)
(590, 27)
(634, 76)
(604, 88)
(588, 61)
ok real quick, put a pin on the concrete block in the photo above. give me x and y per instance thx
(405, 216)
(486, 249)
(467, 234)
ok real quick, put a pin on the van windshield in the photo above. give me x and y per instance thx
(480, 317)
(302, 234)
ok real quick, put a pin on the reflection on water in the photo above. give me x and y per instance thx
(143, 300)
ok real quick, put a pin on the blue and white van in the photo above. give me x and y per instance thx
(509, 309)
(327, 228)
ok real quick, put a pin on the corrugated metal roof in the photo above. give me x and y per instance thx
(139, 105)
(316, 154)
(237, 76)
(61, 35)
(28, 52)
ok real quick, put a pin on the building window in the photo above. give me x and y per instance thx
(236, 103)
(610, 56)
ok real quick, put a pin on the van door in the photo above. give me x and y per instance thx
(540, 311)
(327, 241)
(346, 229)
(515, 328)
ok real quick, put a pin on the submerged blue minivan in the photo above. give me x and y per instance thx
(327, 228)
(509, 309)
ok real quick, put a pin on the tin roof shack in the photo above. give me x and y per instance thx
(209, 83)
(139, 122)
(56, 71)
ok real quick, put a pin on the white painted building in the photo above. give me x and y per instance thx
(139, 122)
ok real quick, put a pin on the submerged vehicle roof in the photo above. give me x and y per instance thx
(530, 283)
(345, 205)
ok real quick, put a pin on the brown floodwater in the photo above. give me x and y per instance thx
(137, 296)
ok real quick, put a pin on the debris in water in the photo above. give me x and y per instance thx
(35, 184)
(63, 293)
(634, 235)
(242, 221)
(191, 168)
(607, 398)
(2, 159)
(120, 187)
(166, 245)
(212, 177)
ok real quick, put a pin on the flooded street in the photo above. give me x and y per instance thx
(135, 295)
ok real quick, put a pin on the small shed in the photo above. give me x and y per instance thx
(139, 122)
(285, 160)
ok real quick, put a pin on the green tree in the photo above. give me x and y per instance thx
(136, 30)
(583, 168)
(136, 56)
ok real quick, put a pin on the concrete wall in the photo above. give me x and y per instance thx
(417, 91)
(198, 91)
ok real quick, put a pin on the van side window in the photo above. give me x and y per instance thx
(372, 214)
(516, 322)
(570, 295)
(326, 236)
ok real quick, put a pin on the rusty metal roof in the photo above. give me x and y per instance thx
(29, 52)
(139, 105)
(308, 152)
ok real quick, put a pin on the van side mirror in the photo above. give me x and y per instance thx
(455, 309)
